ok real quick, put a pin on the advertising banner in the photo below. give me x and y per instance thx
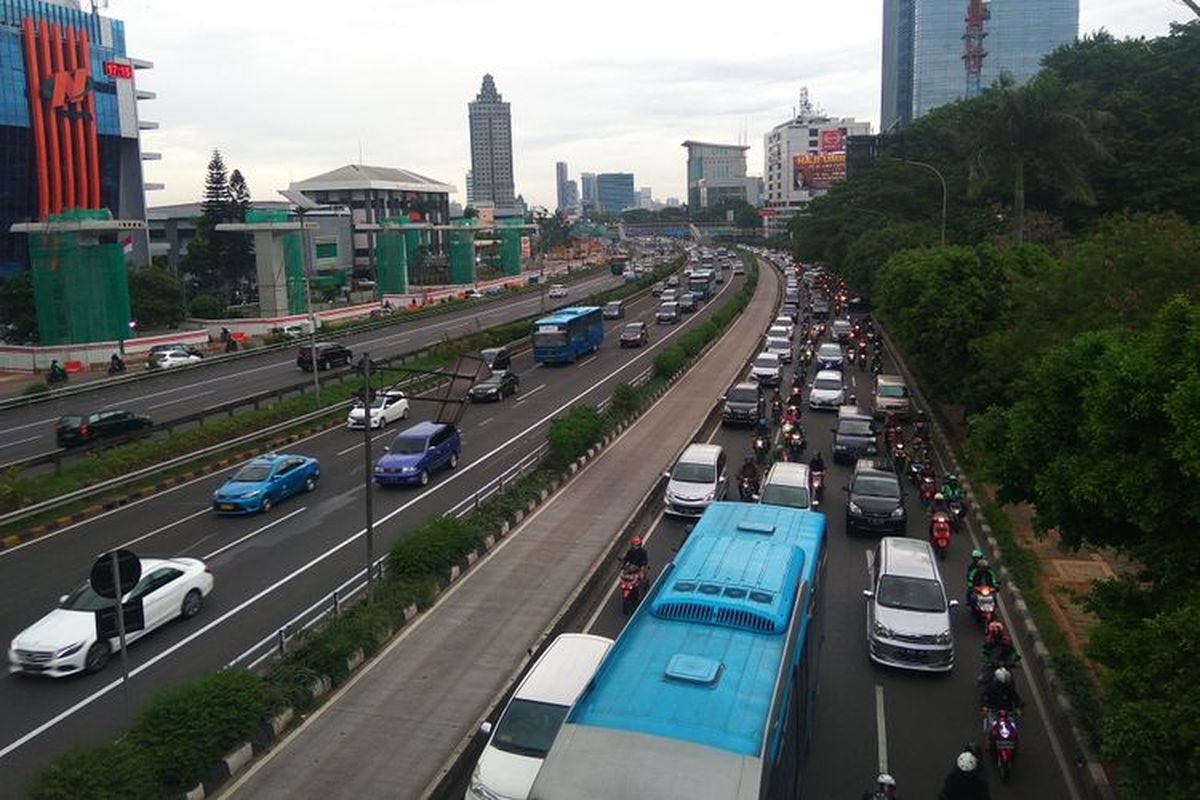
(832, 141)
(818, 170)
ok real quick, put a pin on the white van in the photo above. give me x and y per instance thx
(522, 737)
(908, 612)
(697, 480)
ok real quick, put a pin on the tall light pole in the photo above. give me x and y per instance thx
(935, 171)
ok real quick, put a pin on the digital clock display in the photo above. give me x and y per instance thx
(114, 70)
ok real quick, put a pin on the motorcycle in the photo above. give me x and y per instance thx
(899, 458)
(747, 488)
(56, 376)
(927, 491)
(762, 446)
(117, 368)
(984, 603)
(957, 508)
(795, 443)
(795, 396)
(939, 533)
(862, 360)
(776, 410)
(818, 486)
(1002, 739)
(876, 365)
(630, 583)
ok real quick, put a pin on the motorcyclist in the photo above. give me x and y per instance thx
(115, 365)
(998, 649)
(762, 427)
(983, 575)
(636, 556)
(951, 488)
(999, 694)
(885, 789)
(749, 473)
(967, 780)
(791, 415)
(920, 426)
(816, 463)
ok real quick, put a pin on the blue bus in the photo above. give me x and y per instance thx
(567, 334)
(708, 692)
(703, 283)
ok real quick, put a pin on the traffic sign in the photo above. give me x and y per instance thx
(129, 566)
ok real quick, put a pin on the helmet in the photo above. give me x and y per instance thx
(976, 554)
(749, 458)
(1002, 675)
(940, 496)
(983, 564)
(885, 780)
(995, 628)
(636, 541)
(966, 762)
(951, 477)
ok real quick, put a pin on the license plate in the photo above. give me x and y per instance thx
(227, 506)
(1005, 744)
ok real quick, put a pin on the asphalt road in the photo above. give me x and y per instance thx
(29, 431)
(267, 567)
(925, 719)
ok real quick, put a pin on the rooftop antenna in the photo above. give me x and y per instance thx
(98, 4)
(360, 158)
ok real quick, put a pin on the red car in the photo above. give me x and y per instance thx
(635, 334)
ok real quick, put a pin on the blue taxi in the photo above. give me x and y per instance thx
(264, 481)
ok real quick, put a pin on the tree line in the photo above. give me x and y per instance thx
(1062, 319)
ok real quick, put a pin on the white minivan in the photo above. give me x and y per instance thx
(697, 480)
(520, 740)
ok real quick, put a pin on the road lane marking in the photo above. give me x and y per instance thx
(28, 425)
(162, 528)
(253, 533)
(881, 729)
(485, 422)
(304, 568)
(587, 361)
(179, 400)
(530, 393)
(20, 441)
(359, 444)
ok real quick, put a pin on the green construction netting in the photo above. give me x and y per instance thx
(510, 250)
(293, 257)
(391, 257)
(80, 288)
(462, 254)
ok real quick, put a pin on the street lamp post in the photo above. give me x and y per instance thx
(942, 179)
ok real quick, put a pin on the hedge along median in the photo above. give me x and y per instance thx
(184, 735)
(16, 492)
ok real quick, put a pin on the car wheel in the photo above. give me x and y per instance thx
(424, 477)
(311, 483)
(266, 503)
(453, 460)
(193, 601)
(97, 656)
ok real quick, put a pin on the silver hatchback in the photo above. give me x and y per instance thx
(908, 613)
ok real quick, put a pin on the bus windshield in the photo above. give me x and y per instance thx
(549, 338)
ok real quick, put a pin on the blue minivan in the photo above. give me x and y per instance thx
(417, 452)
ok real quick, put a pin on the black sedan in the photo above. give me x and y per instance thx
(495, 387)
(876, 502)
(635, 334)
(78, 429)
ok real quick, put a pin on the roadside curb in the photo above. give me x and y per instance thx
(1088, 763)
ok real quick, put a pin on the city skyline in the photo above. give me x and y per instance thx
(625, 111)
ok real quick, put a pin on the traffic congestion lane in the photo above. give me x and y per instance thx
(29, 431)
(925, 719)
(243, 571)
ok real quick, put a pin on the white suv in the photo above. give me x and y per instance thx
(697, 480)
(827, 391)
(766, 369)
(787, 484)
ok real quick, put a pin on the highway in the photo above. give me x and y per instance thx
(29, 430)
(269, 567)
(869, 718)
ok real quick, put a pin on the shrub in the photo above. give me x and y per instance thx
(35, 388)
(185, 729)
(572, 435)
(108, 772)
(626, 400)
(206, 306)
(669, 361)
(432, 548)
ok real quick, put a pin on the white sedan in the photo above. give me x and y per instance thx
(387, 407)
(174, 358)
(557, 290)
(64, 641)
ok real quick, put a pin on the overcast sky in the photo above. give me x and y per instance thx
(287, 90)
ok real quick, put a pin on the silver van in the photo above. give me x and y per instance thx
(698, 478)
(908, 613)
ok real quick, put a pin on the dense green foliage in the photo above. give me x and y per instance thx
(219, 263)
(155, 298)
(18, 315)
(1076, 356)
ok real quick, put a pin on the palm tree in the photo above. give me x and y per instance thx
(1034, 127)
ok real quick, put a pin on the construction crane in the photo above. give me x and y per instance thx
(973, 49)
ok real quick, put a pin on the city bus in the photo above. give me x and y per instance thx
(708, 692)
(567, 334)
(703, 283)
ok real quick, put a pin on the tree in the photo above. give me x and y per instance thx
(554, 230)
(1034, 127)
(871, 250)
(17, 310)
(239, 246)
(217, 203)
(155, 298)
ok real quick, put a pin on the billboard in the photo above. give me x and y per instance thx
(832, 140)
(818, 171)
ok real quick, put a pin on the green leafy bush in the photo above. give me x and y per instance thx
(626, 400)
(206, 306)
(432, 549)
(109, 772)
(570, 436)
(35, 388)
(185, 729)
(669, 361)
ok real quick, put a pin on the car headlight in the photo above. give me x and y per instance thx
(855, 508)
(881, 630)
(708, 498)
(943, 637)
(70, 650)
(251, 493)
(898, 512)
(408, 469)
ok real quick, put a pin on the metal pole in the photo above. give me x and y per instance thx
(941, 178)
(312, 319)
(366, 361)
(120, 609)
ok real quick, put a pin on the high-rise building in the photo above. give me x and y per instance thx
(70, 128)
(560, 185)
(936, 51)
(614, 192)
(587, 191)
(469, 184)
(491, 149)
(645, 198)
(803, 157)
(571, 196)
(720, 169)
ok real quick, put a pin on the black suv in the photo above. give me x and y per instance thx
(876, 501)
(744, 403)
(329, 354)
(77, 429)
(496, 358)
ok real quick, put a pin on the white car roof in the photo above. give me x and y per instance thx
(566, 666)
(831, 374)
(787, 473)
(767, 355)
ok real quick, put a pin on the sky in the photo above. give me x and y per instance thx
(288, 90)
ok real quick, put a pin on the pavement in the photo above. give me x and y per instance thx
(388, 731)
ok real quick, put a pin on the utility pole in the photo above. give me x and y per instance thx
(367, 466)
(942, 179)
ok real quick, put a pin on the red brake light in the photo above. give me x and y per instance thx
(84, 429)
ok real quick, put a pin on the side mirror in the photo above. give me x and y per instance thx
(62, 598)
(724, 398)
(867, 593)
(755, 497)
(666, 475)
(387, 449)
(953, 603)
(486, 729)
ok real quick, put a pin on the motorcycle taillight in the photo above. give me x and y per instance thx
(84, 430)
